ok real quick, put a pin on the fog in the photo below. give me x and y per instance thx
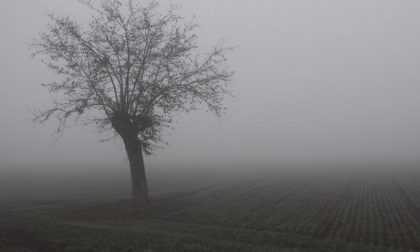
(315, 82)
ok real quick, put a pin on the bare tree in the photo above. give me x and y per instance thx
(130, 70)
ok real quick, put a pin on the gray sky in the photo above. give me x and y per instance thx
(316, 81)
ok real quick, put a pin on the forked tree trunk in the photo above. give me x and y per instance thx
(138, 173)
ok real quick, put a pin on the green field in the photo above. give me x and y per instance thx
(291, 210)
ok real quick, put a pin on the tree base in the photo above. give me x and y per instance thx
(139, 202)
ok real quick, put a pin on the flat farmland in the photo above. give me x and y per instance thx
(369, 209)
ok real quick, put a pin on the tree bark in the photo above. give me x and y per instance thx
(134, 150)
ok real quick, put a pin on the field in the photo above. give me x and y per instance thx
(293, 210)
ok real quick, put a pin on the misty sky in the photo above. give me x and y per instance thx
(316, 81)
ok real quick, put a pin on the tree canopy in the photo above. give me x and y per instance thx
(130, 69)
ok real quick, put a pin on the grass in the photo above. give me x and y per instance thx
(195, 212)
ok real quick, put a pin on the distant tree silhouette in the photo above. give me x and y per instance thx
(130, 70)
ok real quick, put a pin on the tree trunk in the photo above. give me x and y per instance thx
(138, 173)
